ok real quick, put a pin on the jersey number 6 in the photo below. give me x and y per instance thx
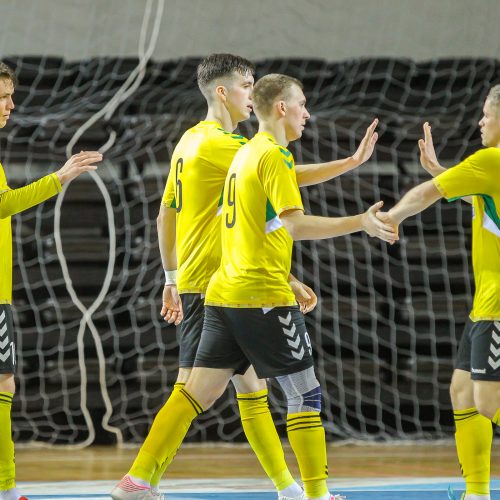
(178, 194)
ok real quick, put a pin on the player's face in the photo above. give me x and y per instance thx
(239, 97)
(6, 102)
(296, 113)
(490, 125)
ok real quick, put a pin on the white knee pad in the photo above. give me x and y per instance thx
(302, 391)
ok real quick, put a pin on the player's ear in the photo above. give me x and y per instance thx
(281, 107)
(221, 92)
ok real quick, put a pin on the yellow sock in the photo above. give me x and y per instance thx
(166, 434)
(474, 437)
(307, 438)
(158, 474)
(7, 465)
(260, 432)
(496, 418)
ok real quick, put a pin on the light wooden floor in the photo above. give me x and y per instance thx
(213, 460)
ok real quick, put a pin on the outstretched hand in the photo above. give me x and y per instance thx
(82, 162)
(365, 148)
(171, 310)
(305, 296)
(386, 218)
(428, 157)
(375, 227)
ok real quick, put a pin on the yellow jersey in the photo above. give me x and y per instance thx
(13, 201)
(479, 176)
(256, 247)
(194, 187)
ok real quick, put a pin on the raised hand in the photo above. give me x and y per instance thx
(305, 296)
(82, 162)
(428, 157)
(375, 227)
(171, 310)
(366, 146)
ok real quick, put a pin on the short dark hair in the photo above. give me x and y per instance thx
(221, 65)
(7, 73)
(270, 88)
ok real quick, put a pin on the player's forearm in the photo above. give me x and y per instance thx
(415, 201)
(311, 227)
(434, 169)
(308, 175)
(15, 201)
(165, 224)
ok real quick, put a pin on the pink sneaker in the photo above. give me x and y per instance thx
(126, 489)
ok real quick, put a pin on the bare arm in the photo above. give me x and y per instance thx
(14, 201)
(413, 202)
(428, 158)
(310, 227)
(171, 307)
(308, 175)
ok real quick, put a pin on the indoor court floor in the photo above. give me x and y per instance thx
(403, 471)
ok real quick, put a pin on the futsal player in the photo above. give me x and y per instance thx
(251, 314)
(475, 384)
(13, 201)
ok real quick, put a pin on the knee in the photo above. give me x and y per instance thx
(487, 409)
(455, 392)
(7, 383)
(302, 390)
(206, 397)
(461, 394)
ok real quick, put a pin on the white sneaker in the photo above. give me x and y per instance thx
(126, 489)
(157, 493)
(302, 496)
(12, 494)
(337, 497)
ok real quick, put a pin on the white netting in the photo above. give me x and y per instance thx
(386, 326)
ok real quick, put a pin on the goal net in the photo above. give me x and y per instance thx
(96, 361)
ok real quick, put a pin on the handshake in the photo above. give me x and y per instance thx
(384, 225)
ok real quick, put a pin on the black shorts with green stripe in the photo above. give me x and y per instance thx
(7, 340)
(275, 341)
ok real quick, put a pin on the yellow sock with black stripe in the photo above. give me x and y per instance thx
(7, 465)
(307, 438)
(158, 474)
(496, 418)
(260, 432)
(474, 437)
(166, 434)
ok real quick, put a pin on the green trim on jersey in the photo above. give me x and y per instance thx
(286, 153)
(270, 212)
(241, 139)
(490, 209)
(489, 206)
(173, 204)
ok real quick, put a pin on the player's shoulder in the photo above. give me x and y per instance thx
(219, 135)
(2, 175)
(277, 153)
(486, 156)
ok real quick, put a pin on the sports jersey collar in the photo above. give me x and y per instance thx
(210, 122)
(268, 135)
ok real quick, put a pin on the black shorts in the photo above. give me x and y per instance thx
(7, 340)
(189, 333)
(479, 350)
(275, 342)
